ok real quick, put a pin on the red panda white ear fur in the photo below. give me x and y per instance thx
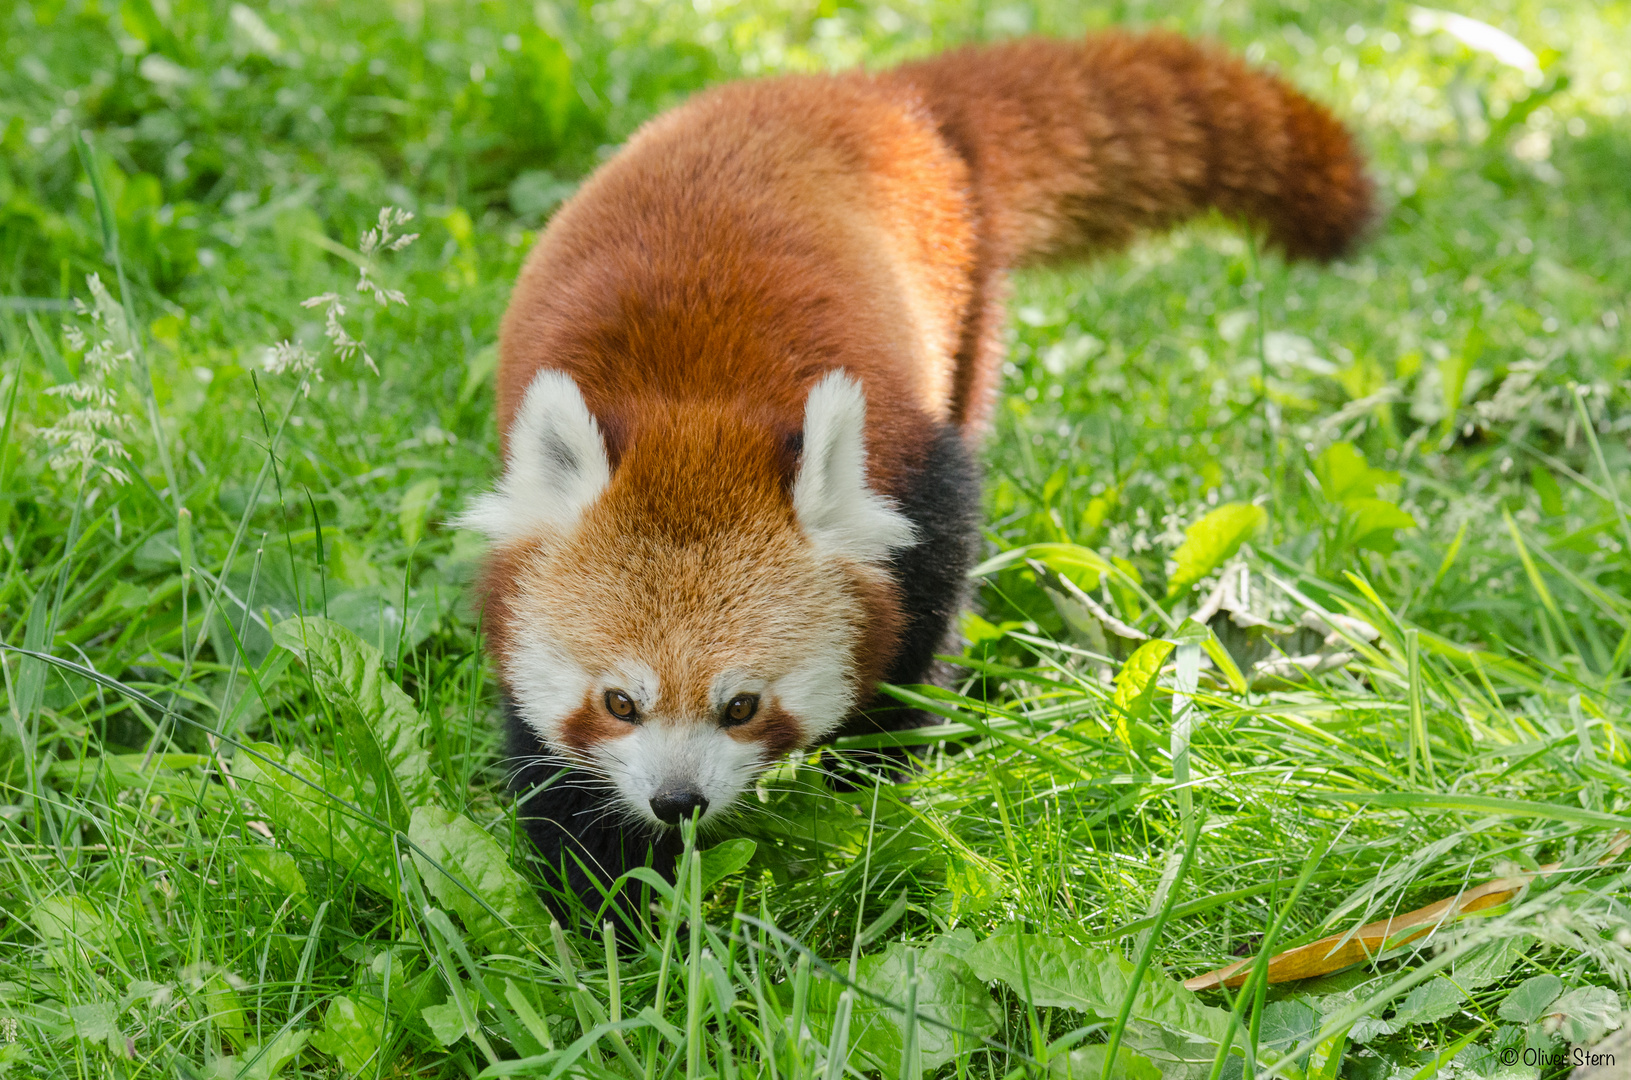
(841, 515)
(557, 465)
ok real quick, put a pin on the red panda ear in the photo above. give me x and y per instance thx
(557, 465)
(840, 514)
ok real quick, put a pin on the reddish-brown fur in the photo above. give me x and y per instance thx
(747, 243)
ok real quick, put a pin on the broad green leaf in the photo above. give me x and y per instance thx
(1344, 473)
(376, 615)
(1211, 541)
(445, 1022)
(1288, 1023)
(1373, 522)
(1087, 1063)
(465, 850)
(276, 868)
(1350, 482)
(387, 730)
(947, 991)
(1586, 1014)
(76, 933)
(216, 1001)
(972, 886)
(1427, 1003)
(312, 820)
(1490, 963)
(260, 1062)
(726, 858)
(1056, 973)
(1528, 1000)
(1135, 682)
(1430, 1002)
(97, 1022)
(352, 1026)
(978, 631)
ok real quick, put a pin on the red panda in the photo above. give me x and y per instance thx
(744, 376)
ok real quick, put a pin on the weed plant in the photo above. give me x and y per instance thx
(1308, 600)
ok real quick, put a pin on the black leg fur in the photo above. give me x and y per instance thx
(943, 501)
(580, 839)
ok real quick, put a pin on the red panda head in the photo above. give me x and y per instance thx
(675, 624)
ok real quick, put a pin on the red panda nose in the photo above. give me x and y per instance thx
(675, 806)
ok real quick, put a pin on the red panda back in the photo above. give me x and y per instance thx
(769, 231)
(745, 244)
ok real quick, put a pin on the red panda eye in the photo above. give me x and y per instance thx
(620, 705)
(741, 709)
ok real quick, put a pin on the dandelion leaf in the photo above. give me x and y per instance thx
(1432, 1001)
(1491, 963)
(1344, 473)
(97, 1022)
(474, 863)
(387, 731)
(262, 1061)
(1051, 972)
(1373, 521)
(948, 993)
(306, 801)
(76, 933)
(445, 1021)
(414, 508)
(214, 999)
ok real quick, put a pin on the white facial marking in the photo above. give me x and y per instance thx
(661, 756)
(818, 692)
(557, 465)
(546, 682)
(840, 514)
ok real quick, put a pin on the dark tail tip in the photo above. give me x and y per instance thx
(1328, 200)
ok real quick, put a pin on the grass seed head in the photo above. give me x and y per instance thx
(87, 436)
(289, 356)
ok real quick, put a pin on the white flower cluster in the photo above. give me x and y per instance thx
(292, 356)
(87, 435)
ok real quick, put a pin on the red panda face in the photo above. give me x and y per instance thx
(678, 624)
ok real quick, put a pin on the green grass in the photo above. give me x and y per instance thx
(229, 850)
